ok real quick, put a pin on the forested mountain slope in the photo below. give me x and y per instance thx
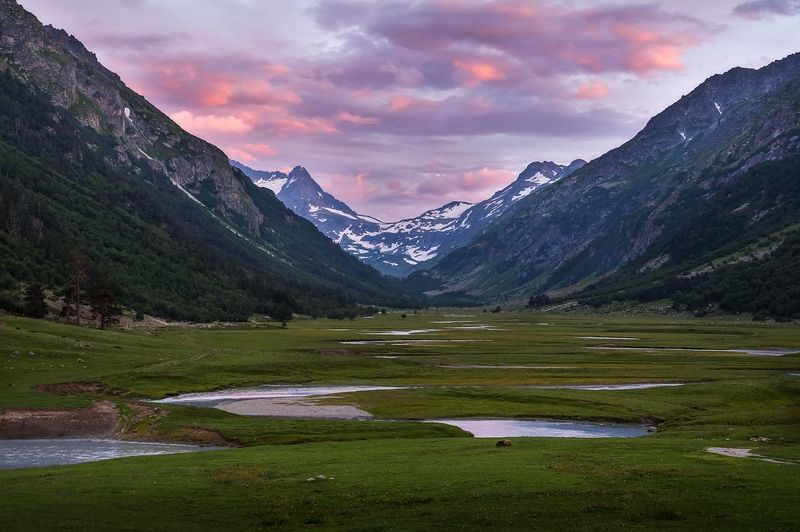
(627, 204)
(89, 167)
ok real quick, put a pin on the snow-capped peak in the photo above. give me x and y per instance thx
(398, 248)
(452, 210)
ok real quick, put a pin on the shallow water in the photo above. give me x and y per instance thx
(500, 366)
(407, 342)
(606, 338)
(542, 428)
(753, 352)
(604, 387)
(266, 392)
(405, 332)
(16, 454)
(480, 327)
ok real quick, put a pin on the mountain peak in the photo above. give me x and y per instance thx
(299, 172)
(574, 166)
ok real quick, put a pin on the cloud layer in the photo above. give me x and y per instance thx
(401, 105)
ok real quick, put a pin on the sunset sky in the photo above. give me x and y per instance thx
(398, 106)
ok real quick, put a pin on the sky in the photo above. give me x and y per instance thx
(398, 106)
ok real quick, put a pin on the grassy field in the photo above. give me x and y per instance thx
(405, 474)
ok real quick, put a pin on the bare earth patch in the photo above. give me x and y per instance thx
(98, 420)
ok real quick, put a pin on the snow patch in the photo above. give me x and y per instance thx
(719, 110)
(275, 185)
(455, 211)
(191, 196)
(340, 213)
(539, 179)
(522, 193)
(421, 255)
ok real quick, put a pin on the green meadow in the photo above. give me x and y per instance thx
(396, 472)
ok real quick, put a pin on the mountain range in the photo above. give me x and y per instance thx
(402, 247)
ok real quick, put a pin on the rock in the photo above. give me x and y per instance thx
(760, 439)
(503, 443)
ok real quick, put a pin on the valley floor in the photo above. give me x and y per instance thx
(739, 389)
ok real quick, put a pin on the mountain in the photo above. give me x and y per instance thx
(399, 248)
(88, 167)
(740, 253)
(652, 204)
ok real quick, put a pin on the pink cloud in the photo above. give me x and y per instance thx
(250, 152)
(288, 125)
(240, 155)
(403, 102)
(261, 149)
(545, 36)
(204, 124)
(217, 95)
(470, 185)
(595, 90)
(479, 71)
(351, 188)
(656, 58)
(356, 119)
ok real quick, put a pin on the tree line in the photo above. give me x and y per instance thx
(86, 287)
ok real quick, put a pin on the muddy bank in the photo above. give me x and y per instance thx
(100, 420)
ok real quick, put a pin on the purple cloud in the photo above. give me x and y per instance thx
(757, 9)
(401, 105)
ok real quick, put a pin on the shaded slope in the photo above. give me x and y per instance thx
(90, 167)
(615, 208)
